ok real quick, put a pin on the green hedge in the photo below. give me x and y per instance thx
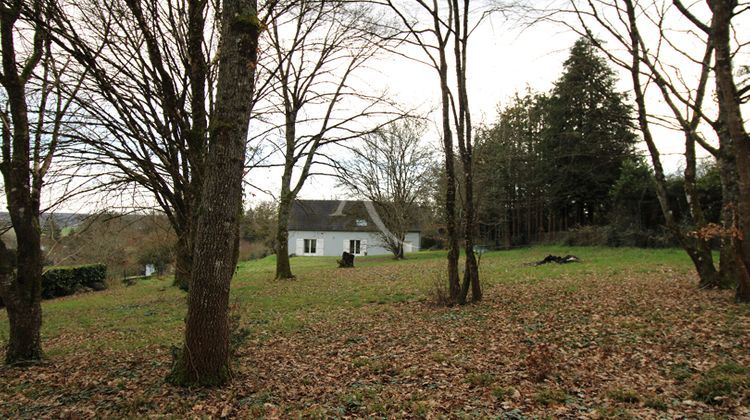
(64, 281)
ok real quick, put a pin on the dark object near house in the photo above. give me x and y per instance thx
(346, 261)
(560, 260)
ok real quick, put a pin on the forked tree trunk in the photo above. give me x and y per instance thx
(471, 269)
(196, 139)
(698, 248)
(700, 255)
(205, 359)
(399, 254)
(464, 135)
(454, 282)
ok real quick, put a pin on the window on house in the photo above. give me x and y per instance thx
(361, 222)
(355, 246)
(310, 245)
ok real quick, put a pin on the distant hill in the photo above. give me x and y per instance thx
(61, 220)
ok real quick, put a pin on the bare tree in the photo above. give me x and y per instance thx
(392, 169)
(681, 77)
(441, 31)
(148, 96)
(32, 118)
(317, 51)
(204, 358)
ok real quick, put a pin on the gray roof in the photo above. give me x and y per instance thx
(332, 215)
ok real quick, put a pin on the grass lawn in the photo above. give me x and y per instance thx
(624, 333)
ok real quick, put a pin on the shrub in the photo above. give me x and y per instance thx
(64, 281)
(253, 250)
(587, 236)
(439, 293)
(657, 403)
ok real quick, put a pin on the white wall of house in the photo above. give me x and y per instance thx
(335, 243)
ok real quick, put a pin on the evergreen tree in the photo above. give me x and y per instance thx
(511, 196)
(588, 136)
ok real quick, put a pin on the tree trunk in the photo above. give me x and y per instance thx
(722, 11)
(471, 270)
(507, 229)
(699, 250)
(283, 267)
(742, 245)
(22, 292)
(23, 305)
(454, 284)
(728, 174)
(23, 296)
(25, 319)
(287, 196)
(204, 359)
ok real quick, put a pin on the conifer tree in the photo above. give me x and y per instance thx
(589, 135)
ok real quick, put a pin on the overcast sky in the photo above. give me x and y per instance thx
(503, 60)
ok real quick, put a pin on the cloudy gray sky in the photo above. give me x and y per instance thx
(503, 59)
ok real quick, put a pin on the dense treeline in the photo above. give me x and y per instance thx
(559, 161)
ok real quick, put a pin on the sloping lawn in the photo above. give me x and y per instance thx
(624, 333)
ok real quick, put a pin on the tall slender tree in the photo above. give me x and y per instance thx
(440, 30)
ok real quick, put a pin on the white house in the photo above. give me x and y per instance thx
(330, 227)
